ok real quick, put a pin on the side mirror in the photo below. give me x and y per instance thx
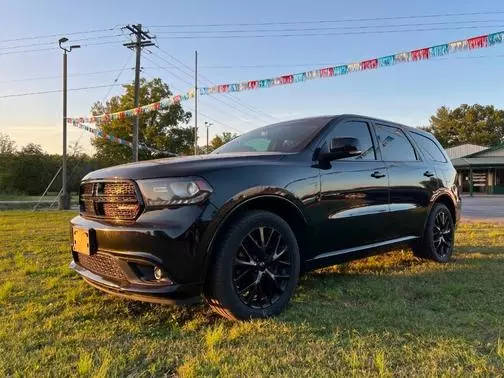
(341, 148)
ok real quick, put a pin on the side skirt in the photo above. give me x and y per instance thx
(354, 253)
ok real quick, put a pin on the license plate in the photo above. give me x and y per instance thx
(83, 241)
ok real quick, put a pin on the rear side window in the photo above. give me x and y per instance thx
(429, 147)
(359, 130)
(394, 144)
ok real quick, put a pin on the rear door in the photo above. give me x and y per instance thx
(354, 192)
(432, 153)
(412, 182)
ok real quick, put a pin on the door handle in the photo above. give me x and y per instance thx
(428, 174)
(377, 174)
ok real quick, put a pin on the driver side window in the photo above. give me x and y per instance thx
(360, 131)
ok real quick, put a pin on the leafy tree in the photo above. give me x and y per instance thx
(162, 130)
(219, 140)
(28, 171)
(7, 145)
(32, 149)
(477, 124)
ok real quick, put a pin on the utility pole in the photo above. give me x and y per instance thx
(143, 39)
(195, 102)
(64, 199)
(207, 124)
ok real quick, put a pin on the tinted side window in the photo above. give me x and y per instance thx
(359, 130)
(429, 147)
(394, 145)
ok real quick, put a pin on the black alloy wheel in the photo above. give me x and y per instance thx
(442, 234)
(439, 236)
(255, 268)
(262, 267)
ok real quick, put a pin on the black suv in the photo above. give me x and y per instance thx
(240, 224)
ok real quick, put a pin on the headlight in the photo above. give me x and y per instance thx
(175, 191)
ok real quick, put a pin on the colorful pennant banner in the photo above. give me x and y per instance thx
(101, 133)
(370, 64)
(110, 137)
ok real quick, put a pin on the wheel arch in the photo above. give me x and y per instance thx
(276, 204)
(446, 200)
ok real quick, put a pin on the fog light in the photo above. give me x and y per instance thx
(158, 273)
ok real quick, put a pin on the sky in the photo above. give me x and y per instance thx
(407, 93)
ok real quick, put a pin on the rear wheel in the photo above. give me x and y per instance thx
(256, 268)
(439, 236)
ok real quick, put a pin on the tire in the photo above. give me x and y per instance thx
(255, 269)
(439, 236)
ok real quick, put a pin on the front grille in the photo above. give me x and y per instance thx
(103, 265)
(109, 199)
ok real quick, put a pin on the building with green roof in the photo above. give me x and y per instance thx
(480, 169)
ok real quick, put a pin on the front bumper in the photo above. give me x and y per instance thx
(167, 294)
(171, 239)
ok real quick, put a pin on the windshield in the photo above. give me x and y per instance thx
(291, 136)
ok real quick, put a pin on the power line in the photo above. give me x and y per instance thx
(235, 36)
(178, 89)
(108, 91)
(221, 123)
(327, 64)
(28, 51)
(325, 28)
(54, 43)
(249, 108)
(59, 76)
(332, 21)
(210, 96)
(57, 48)
(57, 90)
(203, 114)
(216, 121)
(128, 60)
(57, 35)
(165, 69)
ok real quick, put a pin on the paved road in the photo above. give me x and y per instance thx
(484, 208)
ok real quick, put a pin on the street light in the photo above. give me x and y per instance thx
(64, 200)
(207, 124)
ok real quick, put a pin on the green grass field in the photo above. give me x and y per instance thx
(386, 315)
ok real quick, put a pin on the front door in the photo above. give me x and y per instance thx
(354, 195)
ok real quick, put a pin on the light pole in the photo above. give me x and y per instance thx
(207, 124)
(64, 200)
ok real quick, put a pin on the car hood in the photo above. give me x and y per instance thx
(183, 166)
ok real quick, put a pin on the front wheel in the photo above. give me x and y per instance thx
(256, 267)
(439, 236)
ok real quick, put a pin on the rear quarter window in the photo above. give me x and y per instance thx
(429, 147)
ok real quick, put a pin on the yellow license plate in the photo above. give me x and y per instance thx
(83, 241)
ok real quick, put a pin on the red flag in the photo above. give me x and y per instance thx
(252, 84)
(478, 42)
(287, 79)
(369, 64)
(326, 72)
(420, 54)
